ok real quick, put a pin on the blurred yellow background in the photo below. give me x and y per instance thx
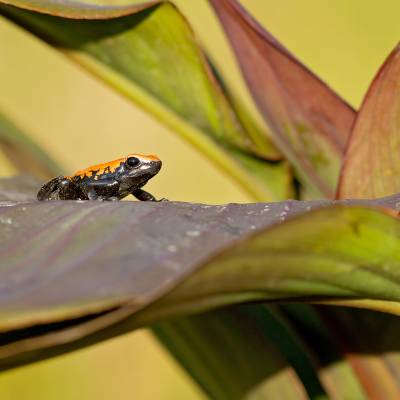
(66, 111)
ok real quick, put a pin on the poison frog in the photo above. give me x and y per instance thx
(106, 182)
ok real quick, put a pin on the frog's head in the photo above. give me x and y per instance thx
(137, 169)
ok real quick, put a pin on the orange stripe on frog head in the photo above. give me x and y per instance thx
(111, 166)
(149, 157)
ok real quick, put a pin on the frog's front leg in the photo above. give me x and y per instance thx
(102, 189)
(142, 195)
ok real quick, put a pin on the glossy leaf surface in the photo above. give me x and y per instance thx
(66, 260)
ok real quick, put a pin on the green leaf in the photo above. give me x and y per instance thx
(226, 351)
(310, 122)
(137, 55)
(24, 154)
(371, 167)
(185, 258)
(336, 375)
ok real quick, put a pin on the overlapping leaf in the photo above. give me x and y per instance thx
(66, 260)
(310, 122)
(152, 58)
(227, 349)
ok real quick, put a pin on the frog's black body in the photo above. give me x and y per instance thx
(110, 181)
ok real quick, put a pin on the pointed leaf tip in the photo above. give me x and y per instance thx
(310, 122)
(371, 166)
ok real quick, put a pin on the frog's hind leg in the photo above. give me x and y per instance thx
(102, 189)
(67, 190)
(49, 190)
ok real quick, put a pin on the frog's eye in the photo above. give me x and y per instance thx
(132, 162)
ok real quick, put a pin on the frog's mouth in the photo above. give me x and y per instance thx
(150, 168)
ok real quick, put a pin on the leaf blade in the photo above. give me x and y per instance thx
(370, 167)
(226, 351)
(311, 130)
(93, 235)
(83, 10)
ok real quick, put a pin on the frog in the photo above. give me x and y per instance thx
(110, 181)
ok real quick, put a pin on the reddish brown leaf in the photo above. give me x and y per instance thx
(372, 164)
(310, 122)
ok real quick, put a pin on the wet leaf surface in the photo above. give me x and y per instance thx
(93, 264)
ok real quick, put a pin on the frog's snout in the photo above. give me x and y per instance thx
(156, 165)
(152, 166)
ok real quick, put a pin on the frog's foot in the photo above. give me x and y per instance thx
(92, 195)
(114, 198)
(163, 199)
(142, 195)
(59, 188)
